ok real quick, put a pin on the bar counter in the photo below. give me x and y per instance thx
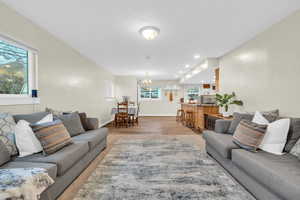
(199, 110)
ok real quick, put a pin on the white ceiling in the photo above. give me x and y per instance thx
(107, 31)
(206, 76)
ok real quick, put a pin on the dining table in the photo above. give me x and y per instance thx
(132, 110)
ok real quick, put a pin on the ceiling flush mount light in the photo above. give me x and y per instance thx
(187, 66)
(196, 56)
(149, 32)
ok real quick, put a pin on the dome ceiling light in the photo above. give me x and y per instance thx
(149, 32)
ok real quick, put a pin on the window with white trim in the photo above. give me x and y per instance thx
(193, 92)
(110, 89)
(18, 72)
(13, 70)
(150, 93)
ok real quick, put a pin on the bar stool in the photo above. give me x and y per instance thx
(180, 115)
(189, 119)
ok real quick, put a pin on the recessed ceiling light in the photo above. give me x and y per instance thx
(149, 32)
(187, 66)
(204, 65)
(196, 71)
(196, 56)
(188, 76)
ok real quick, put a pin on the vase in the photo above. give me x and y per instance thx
(226, 114)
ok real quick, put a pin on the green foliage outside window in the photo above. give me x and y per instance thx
(192, 93)
(150, 93)
(13, 69)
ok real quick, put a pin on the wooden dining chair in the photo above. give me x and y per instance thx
(122, 117)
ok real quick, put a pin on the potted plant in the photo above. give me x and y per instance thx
(226, 100)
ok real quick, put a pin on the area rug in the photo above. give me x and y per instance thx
(166, 168)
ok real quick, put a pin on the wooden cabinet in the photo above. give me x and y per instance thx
(199, 112)
(210, 120)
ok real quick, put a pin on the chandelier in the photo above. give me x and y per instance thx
(146, 82)
(149, 32)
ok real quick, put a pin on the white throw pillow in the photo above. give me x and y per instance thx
(47, 118)
(276, 135)
(260, 119)
(26, 141)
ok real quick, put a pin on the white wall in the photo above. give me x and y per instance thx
(162, 107)
(265, 72)
(67, 80)
(126, 86)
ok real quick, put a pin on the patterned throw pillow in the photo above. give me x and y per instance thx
(4, 154)
(53, 136)
(296, 149)
(7, 131)
(248, 135)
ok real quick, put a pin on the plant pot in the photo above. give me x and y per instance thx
(226, 114)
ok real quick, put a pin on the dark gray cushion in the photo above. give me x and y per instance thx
(72, 123)
(293, 135)
(4, 154)
(222, 143)
(222, 126)
(92, 123)
(64, 158)
(279, 173)
(237, 118)
(83, 119)
(270, 112)
(93, 137)
(31, 118)
(51, 168)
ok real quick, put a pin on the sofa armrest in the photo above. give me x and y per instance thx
(92, 123)
(222, 125)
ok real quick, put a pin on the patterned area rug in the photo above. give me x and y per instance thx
(166, 168)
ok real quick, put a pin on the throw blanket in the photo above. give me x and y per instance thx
(23, 183)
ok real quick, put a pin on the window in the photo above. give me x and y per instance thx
(109, 87)
(150, 93)
(18, 72)
(13, 69)
(192, 93)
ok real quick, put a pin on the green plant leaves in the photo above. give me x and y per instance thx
(228, 99)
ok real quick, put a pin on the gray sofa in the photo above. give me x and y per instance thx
(266, 176)
(66, 164)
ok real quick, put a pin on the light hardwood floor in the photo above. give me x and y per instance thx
(148, 127)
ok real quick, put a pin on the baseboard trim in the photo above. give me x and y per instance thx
(107, 122)
(157, 115)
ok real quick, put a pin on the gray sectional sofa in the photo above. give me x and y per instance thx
(66, 164)
(266, 176)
